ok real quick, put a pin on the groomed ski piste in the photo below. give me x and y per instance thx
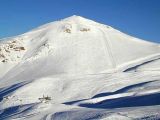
(78, 69)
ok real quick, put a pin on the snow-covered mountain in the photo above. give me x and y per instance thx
(76, 68)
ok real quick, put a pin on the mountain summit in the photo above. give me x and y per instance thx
(76, 45)
(75, 69)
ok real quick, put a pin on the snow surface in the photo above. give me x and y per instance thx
(89, 70)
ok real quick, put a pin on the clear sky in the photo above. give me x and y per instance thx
(140, 18)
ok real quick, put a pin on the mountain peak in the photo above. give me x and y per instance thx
(65, 65)
(75, 17)
(78, 45)
(79, 19)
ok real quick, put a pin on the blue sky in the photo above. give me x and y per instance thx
(140, 18)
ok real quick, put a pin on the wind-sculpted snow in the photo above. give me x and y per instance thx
(123, 91)
(77, 69)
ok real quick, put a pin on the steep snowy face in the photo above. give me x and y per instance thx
(76, 45)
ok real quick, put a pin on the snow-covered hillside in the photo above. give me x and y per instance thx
(76, 68)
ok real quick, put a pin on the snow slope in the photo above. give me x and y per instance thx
(76, 68)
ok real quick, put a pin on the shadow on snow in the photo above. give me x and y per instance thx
(129, 101)
(13, 111)
(7, 90)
